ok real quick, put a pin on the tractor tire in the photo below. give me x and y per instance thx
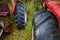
(20, 15)
(45, 26)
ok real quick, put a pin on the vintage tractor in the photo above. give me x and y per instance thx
(46, 22)
(19, 12)
(5, 25)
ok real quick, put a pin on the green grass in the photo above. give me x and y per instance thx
(24, 34)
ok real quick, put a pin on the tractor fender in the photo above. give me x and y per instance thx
(54, 8)
(13, 6)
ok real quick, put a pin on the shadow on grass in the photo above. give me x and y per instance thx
(4, 35)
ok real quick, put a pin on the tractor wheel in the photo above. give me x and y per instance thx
(20, 15)
(45, 26)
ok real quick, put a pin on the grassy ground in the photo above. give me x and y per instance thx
(24, 34)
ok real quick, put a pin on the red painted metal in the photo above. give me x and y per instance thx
(14, 2)
(4, 9)
(3, 13)
(13, 8)
(54, 7)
